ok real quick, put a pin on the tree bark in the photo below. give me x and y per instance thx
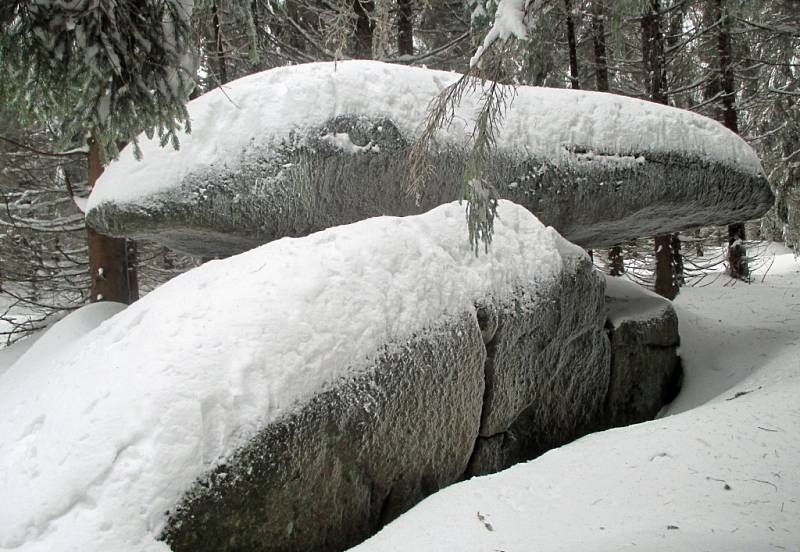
(653, 53)
(573, 47)
(111, 260)
(615, 258)
(364, 28)
(737, 253)
(219, 51)
(666, 286)
(677, 259)
(599, 43)
(405, 28)
(672, 39)
(616, 266)
(726, 76)
(655, 70)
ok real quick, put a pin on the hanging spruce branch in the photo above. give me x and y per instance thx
(488, 78)
(106, 70)
(480, 196)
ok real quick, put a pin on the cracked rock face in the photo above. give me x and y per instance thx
(547, 372)
(574, 159)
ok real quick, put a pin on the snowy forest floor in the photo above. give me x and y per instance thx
(717, 472)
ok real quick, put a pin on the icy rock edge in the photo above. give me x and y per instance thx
(295, 150)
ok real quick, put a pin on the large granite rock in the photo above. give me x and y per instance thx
(294, 150)
(360, 454)
(301, 395)
(498, 385)
(524, 411)
(646, 370)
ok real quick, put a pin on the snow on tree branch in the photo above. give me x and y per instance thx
(511, 19)
(103, 69)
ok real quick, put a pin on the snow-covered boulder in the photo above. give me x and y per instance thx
(299, 395)
(298, 149)
(645, 366)
(359, 454)
(352, 458)
(524, 411)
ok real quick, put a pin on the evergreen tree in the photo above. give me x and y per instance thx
(43, 249)
(653, 51)
(104, 72)
(43, 257)
(108, 70)
(574, 74)
(737, 255)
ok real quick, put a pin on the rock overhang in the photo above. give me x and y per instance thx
(295, 150)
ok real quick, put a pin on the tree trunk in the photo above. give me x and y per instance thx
(573, 47)
(615, 258)
(666, 286)
(405, 28)
(653, 53)
(219, 51)
(599, 42)
(728, 97)
(737, 253)
(111, 261)
(698, 245)
(255, 40)
(364, 27)
(616, 266)
(675, 28)
(654, 65)
(677, 259)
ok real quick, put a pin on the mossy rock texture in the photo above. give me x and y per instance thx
(547, 373)
(356, 456)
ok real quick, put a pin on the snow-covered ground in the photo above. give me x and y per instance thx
(718, 473)
(9, 354)
(58, 338)
(9, 317)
